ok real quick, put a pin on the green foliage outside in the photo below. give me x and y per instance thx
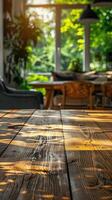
(72, 41)
(101, 39)
(39, 54)
(35, 77)
(73, 1)
(42, 57)
(22, 33)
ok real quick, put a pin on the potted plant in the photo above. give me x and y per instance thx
(21, 34)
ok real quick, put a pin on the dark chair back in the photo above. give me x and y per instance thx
(11, 98)
(2, 88)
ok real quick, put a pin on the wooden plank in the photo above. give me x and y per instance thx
(33, 166)
(104, 121)
(10, 124)
(89, 153)
(4, 112)
(103, 158)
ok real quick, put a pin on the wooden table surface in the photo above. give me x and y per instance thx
(55, 155)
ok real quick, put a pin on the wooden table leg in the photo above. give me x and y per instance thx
(49, 97)
(91, 98)
(63, 98)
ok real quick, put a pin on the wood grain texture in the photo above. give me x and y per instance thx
(11, 121)
(88, 148)
(56, 155)
(33, 166)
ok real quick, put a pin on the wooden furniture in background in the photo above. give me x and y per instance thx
(102, 93)
(64, 154)
(78, 94)
(107, 91)
(50, 88)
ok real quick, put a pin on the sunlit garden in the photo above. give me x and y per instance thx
(30, 42)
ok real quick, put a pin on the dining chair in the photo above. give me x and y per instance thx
(107, 91)
(78, 94)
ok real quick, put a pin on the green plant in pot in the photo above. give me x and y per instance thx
(21, 34)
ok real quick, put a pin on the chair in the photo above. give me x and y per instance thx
(107, 91)
(78, 94)
(17, 99)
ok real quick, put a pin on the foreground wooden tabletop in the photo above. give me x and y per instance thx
(55, 155)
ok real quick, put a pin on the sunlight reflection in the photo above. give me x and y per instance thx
(3, 183)
(90, 117)
(36, 167)
(85, 118)
(76, 144)
(46, 130)
(107, 187)
(10, 181)
(25, 166)
(24, 192)
(47, 196)
(106, 198)
(17, 143)
(4, 141)
(16, 116)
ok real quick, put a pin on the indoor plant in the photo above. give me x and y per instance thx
(21, 34)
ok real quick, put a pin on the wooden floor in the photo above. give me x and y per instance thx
(55, 155)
